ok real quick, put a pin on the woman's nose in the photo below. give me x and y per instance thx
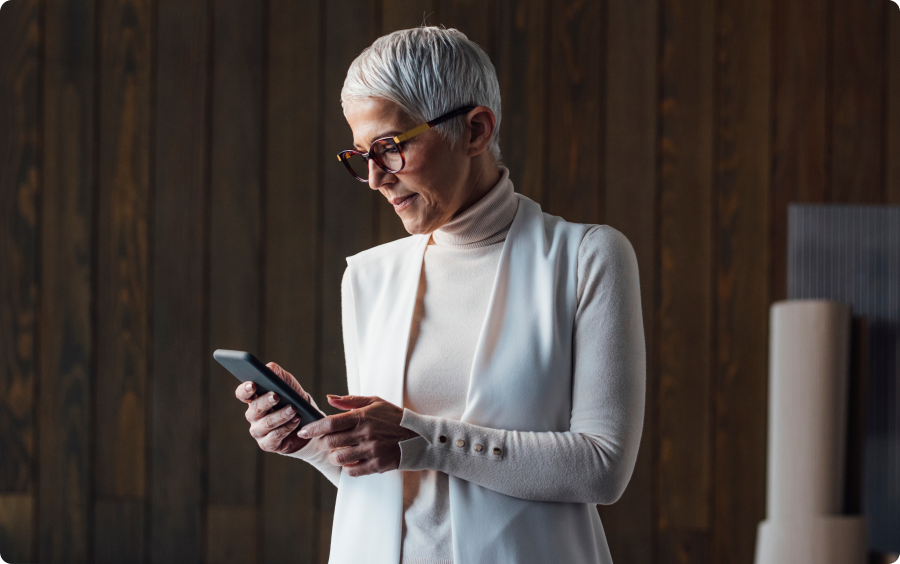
(376, 175)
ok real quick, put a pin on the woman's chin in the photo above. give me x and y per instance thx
(414, 226)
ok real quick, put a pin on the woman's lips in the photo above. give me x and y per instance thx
(401, 204)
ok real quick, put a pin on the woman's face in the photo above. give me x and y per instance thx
(434, 184)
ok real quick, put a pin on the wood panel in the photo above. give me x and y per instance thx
(685, 277)
(857, 102)
(406, 14)
(631, 207)
(477, 19)
(180, 350)
(396, 15)
(742, 179)
(799, 143)
(20, 35)
(235, 262)
(522, 72)
(17, 525)
(348, 214)
(67, 274)
(123, 277)
(119, 532)
(288, 518)
(573, 185)
(892, 139)
(232, 524)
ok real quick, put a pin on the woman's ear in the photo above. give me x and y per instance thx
(480, 124)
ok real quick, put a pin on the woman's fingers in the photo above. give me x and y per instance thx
(288, 378)
(258, 408)
(349, 455)
(272, 441)
(245, 392)
(331, 424)
(342, 439)
(261, 427)
(363, 468)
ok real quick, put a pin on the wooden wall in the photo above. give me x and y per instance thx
(168, 187)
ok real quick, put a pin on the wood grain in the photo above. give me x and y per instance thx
(686, 269)
(119, 532)
(20, 37)
(799, 142)
(123, 278)
(232, 525)
(857, 102)
(67, 253)
(477, 19)
(180, 351)
(743, 60)
(17, 524)
(892, 139)
(235, 264)
(287, 517)
(405, 14)
(575, 144)
(631, 207)
(522, 71)
(684, 546)
(348, 213)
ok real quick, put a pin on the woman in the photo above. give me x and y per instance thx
(495, 358)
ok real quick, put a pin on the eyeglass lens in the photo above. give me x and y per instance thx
(384, 152)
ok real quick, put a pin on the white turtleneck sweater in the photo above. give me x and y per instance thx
(592, 462)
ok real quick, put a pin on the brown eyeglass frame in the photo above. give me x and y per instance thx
(343, 156)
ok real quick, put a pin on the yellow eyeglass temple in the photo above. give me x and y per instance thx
(412, 133)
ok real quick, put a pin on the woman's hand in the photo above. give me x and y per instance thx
(366, 439)
(274, 432)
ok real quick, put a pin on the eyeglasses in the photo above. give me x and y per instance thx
(386, 152)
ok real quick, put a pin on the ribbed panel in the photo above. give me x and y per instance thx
(851, 254)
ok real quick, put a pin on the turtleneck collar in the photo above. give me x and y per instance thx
(486, 222)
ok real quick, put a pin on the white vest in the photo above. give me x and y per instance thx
(521, 380)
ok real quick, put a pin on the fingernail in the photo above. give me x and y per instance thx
(295, 420)
(248, 386)
(272, 399)
(289, 410)
(303, 433)
(334, 396)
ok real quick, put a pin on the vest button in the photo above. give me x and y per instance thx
(496, 451)
(460, 443)
(442, 439)
(478, 448)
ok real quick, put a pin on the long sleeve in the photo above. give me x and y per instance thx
(316, 452)
(594, 460)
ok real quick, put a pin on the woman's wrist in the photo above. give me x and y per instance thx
(442, 441)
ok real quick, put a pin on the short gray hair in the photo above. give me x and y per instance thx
(428, 71)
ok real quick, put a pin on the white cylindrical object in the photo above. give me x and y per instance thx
(808, 381)
(836, 539)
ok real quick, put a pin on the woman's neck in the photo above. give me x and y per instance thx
(483, 176)
(485, 221)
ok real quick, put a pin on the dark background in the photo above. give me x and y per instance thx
(168, 186)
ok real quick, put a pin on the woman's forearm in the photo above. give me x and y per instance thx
(539, 466)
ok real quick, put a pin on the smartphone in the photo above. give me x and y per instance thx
(248, 368)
